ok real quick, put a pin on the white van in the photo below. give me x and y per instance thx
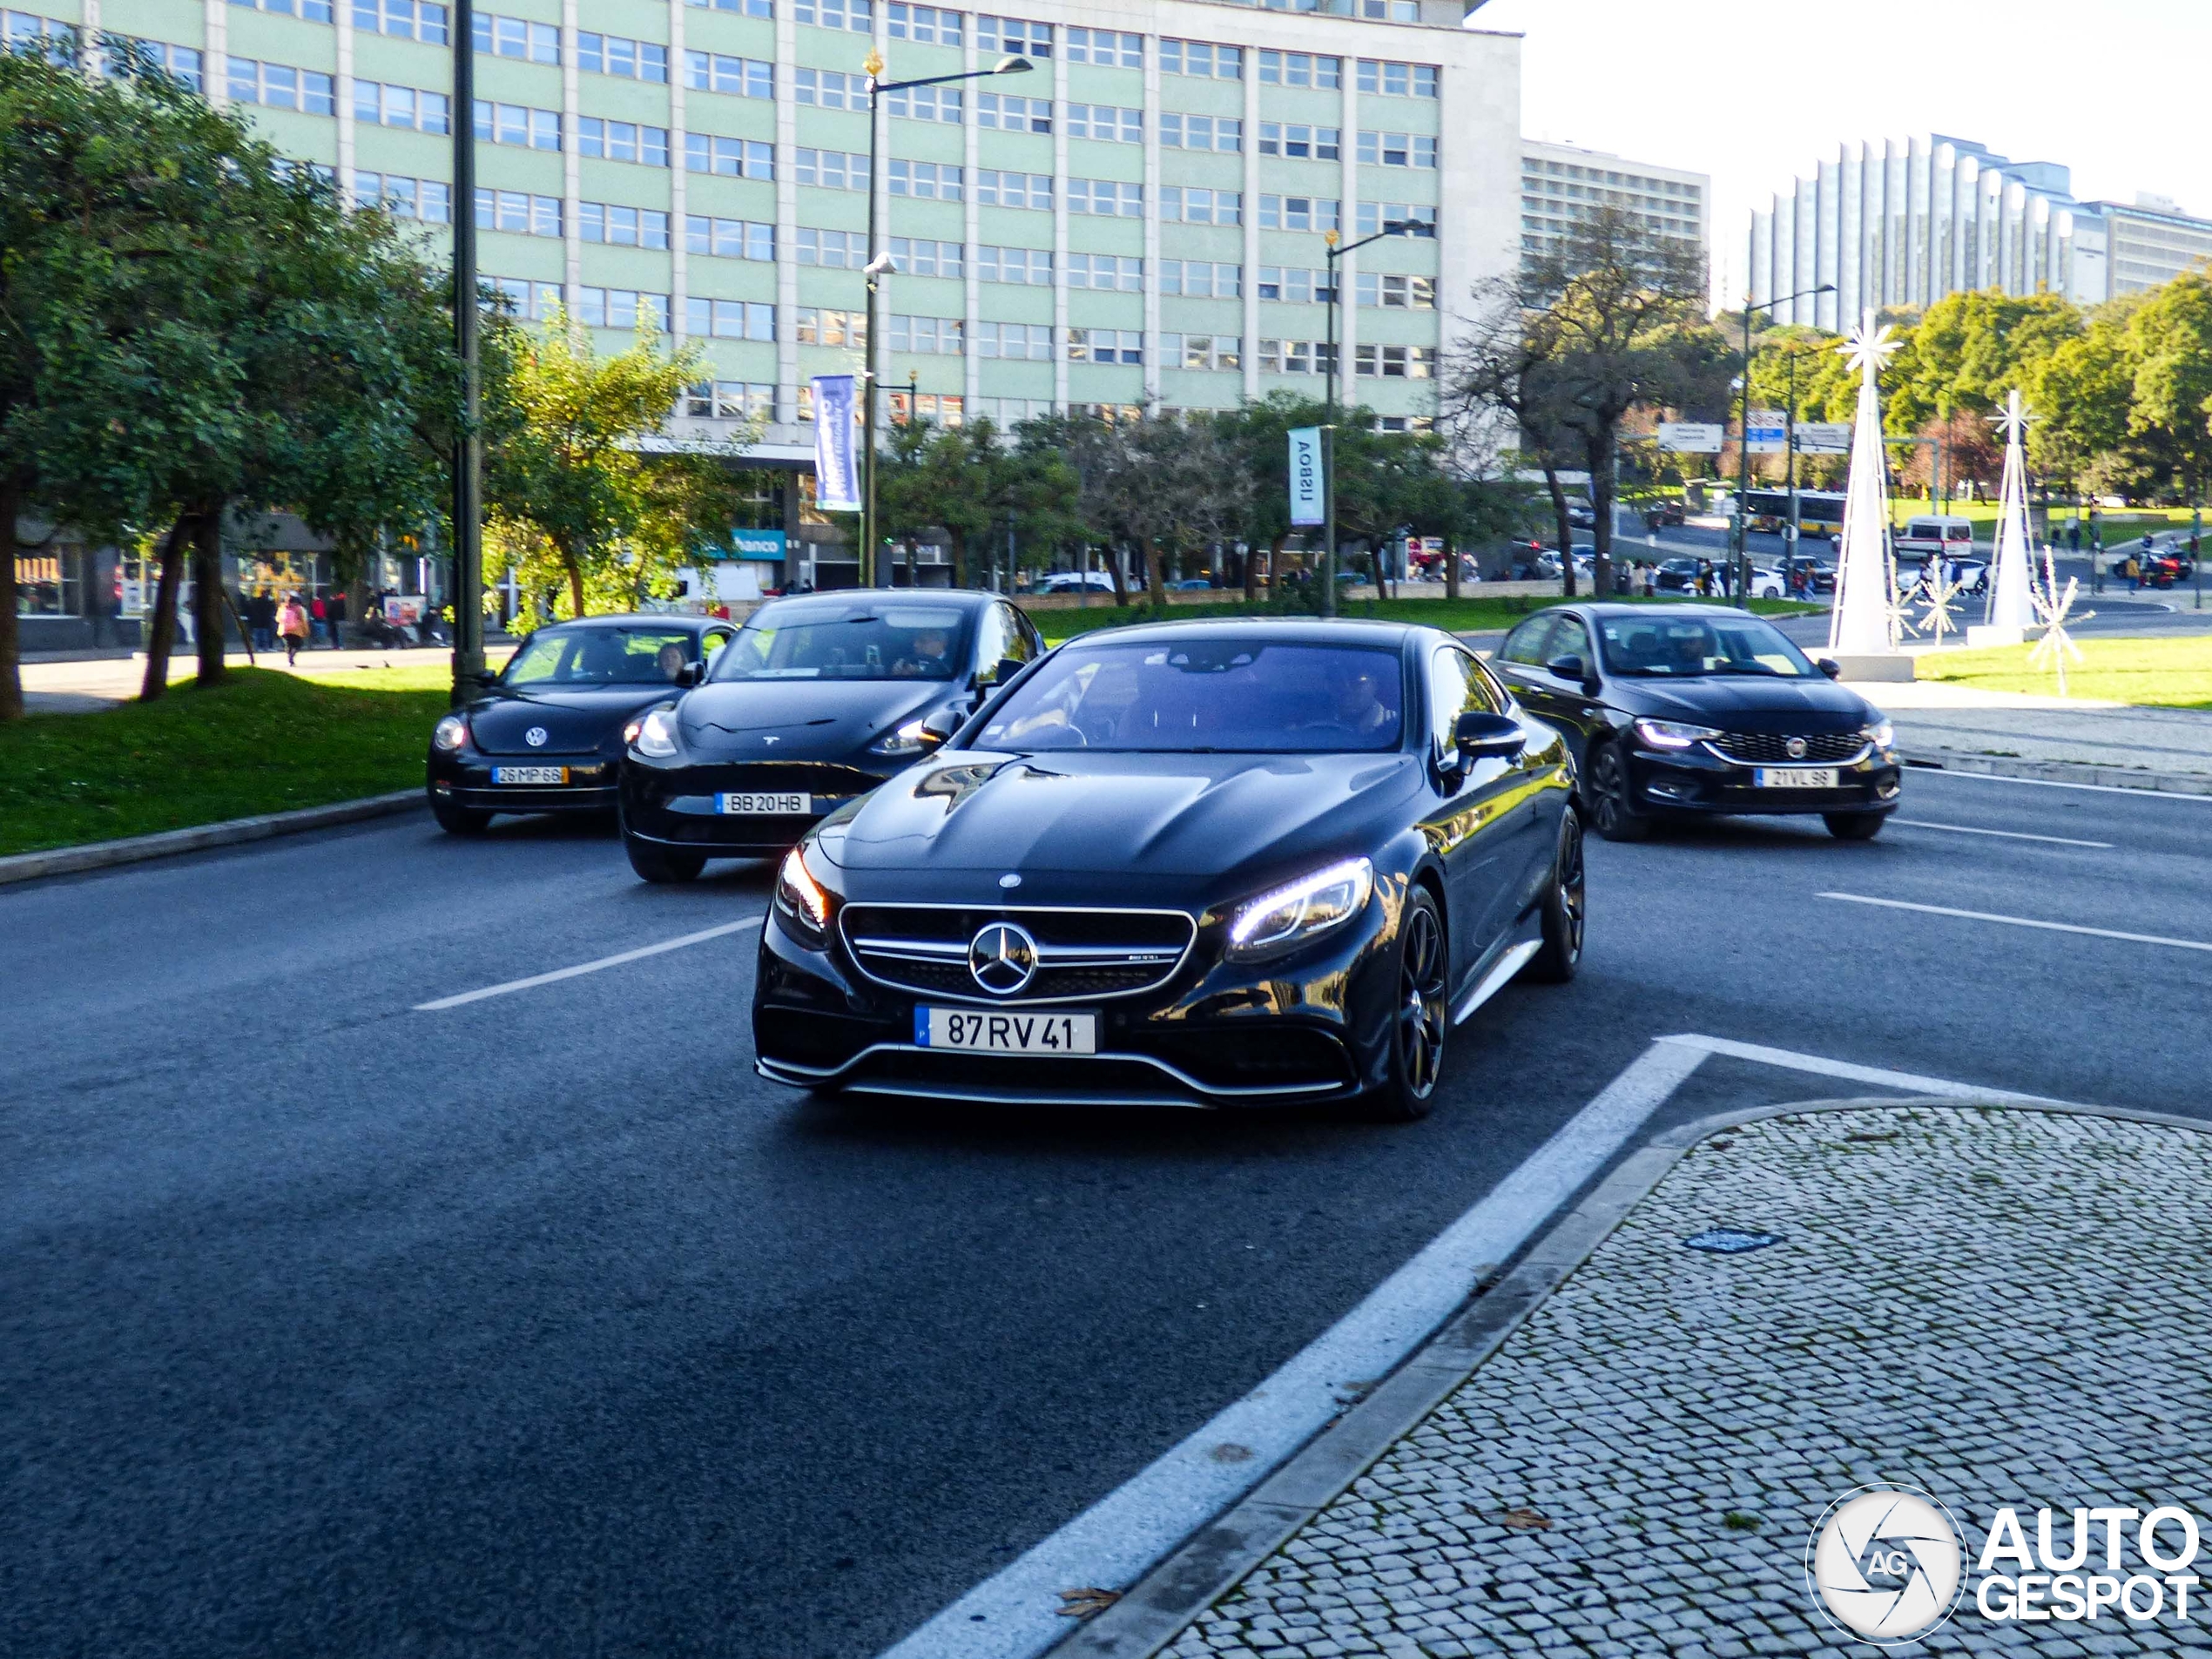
(1952, 537)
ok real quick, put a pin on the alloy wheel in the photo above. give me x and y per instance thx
(1568, 879)
(1421, 998)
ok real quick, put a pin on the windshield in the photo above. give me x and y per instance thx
(1683, 647)
(887, 640)
(1204, 696)
(644, 655)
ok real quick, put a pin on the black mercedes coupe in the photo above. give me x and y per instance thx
(817, 701)
(1210, 863)
(546, 734)
(1681, 712)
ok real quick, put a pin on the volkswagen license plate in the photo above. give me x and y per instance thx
(1796, 778)
(770, 806)
(988, 1031)
(530, 774)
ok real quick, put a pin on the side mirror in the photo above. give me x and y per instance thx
(1005, 668)
(940, 724)
(1568, 668)
(486, 676)
(691, 674)
(1829, 666)
(1479, 735)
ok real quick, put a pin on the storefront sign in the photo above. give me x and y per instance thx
(757, 544)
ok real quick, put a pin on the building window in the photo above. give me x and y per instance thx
(1007, 114)
(180, 64)
(926, 181)
(1030, 342)
(730, 158)
(941, 407)
(1300, 68)
(1121, 272)
(1191, 206)
(535, 301)
(741, 77)
(1298, 214)
(622, 309)
(730, 401)
(1201, 133)
(1200, 58)
(522, 213)
(428, 199)
(736, 239)
(1013, 35)
(812, 325)
(1374, 215)
(1397, 150)
(828, 89)
(1105, 346)
(728, 319)
(858, 16)
(746, 8)
(918, 256)
(1391, 291)
(1020, 265)
(308, 11)
(1013, 189)
(1106, 197)
(278, 86)
(406, 18)
(1293, 357)
(1105, 46)
(1395, 363)
(830, 169)
(925, 103)
(1397, 80)
(1202, 279)
(942, 335)
(536, 42)
(924, 23)
(1297, 287)
(497, 123)
(636, 60)
(1202, 351)
(1110, 122)
(1295, 140)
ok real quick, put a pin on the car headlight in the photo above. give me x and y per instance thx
(802, 902)
(1673, 734)
(656, 734)
(450, 732)
(1291, 915)
(1880, 734)
(906, 740)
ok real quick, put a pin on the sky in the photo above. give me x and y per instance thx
(1756, 92)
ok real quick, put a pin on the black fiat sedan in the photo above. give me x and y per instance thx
(1219, 864)
(817, 700)
(1677, 711)
(546, 734)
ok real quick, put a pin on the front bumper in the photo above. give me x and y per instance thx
(463, 778)
(677, 804)
(1312, 1027)
(1694, 780)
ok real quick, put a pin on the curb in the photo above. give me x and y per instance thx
(1161, 1604)
(2067, 772)
(99, 855)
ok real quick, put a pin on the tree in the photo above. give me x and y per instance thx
(2169, 341)
(1258, 434)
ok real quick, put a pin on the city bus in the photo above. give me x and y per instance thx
(1820, 512)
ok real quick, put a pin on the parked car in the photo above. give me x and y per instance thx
(1767, 583)
(1694, 711)
(1581, 515)
(1934, 533)
(1676, 576)
(1192, 584)
(1076, 581)
(1665, 514)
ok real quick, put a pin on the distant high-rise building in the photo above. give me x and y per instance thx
(1561, 184)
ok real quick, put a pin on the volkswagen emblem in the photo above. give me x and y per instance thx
(1794, 747)
(534, 737)
(1002, 958)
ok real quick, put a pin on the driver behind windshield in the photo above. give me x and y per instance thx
(1358, 705)
(928, 656)
(669, 660)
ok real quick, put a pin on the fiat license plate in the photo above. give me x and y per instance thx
(988, 1031)
(774, 805)
(1795, 778)
(530, 774)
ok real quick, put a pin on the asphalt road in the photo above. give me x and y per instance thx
(537, 1326)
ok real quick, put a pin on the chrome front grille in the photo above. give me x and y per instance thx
(1081, 955)
(1771, 748)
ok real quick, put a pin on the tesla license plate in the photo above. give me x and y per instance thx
(982, 1031)
(530, 774)
(770, 806)
(1795, 778)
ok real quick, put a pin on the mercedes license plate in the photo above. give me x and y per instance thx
(1796, 778)
(773, 805)
(989, 1031)
(530, 774)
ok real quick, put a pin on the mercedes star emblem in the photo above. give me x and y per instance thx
(534, 737)
(1002, 958)
(1794, 747)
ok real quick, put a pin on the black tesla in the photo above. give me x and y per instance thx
(1690, 710)
(817, 701)
(1209, 863)
(546, 734)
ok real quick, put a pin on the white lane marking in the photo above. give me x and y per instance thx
(615, 960)
(1821, 1066)
(1015, 1614)
(2021, 921)
(2008, 835)
(2053, 783)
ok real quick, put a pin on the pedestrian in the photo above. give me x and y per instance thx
(263, 617)
(336, 610)
(2074, 538)
(292, 627)
(2133, 571)
(318, 621)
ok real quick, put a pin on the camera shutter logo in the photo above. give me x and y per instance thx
(1884, 1563)
(1002, 958)
(534, 737)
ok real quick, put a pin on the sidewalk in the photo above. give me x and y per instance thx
(1999, 1305)
(1944, 722)
(86, 685)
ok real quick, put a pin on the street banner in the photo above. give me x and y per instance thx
(836, 483)
(1689, 437)
(1306, 504)
(1769, 432)
(1824, 437)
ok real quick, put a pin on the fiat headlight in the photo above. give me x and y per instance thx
(1306, 909)
(1673, 734)
(450, 733)
(1880, 734)
(657, 734)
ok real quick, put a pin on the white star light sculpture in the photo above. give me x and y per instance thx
(1865, 622)
(2052, 608)
(2013, 574)
(1939, 593)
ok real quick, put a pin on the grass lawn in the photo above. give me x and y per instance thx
(2164, 673)
(1465, 615)
(262, 742)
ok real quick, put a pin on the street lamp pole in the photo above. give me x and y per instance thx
(1743, 560)
(878, 266)
(1395, 227)
(468, 458)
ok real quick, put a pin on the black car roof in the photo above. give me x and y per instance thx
(1659, 610)
(846, 598)
(636, 618)
(1313, 630)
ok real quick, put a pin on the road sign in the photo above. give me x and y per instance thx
(1824, 437)
(1690, 437)
(1769, 432)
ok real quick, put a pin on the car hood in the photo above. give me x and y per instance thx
(1122, 817)
(799, 719)
(1748, 703)
(572, 720)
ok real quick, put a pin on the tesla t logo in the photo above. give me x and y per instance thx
(1002, 958)
(1795, 748)
(534, 737)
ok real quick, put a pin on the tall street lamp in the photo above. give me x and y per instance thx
(879, 264)
(467, 456)
(1395, 227)
(1744, 446)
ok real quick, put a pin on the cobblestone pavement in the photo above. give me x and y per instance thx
(2006, 1307)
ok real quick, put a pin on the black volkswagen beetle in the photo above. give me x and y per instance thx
(1208, 863)
(1696, 710)
(818, 699)
(546, 734)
